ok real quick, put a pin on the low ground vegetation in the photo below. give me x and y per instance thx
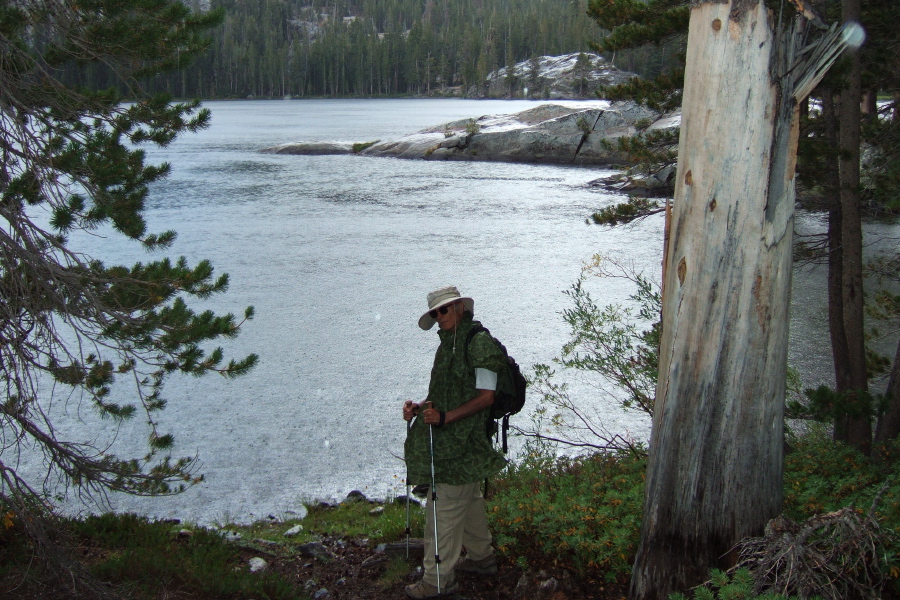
(572, 522)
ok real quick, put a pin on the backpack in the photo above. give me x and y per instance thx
(505, 403)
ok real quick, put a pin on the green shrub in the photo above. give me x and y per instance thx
(738, 586)
(583, 125)
(821, 475)
(584, 512)
(625, 212)
(615, 346)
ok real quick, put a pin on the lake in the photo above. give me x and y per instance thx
(336, 253)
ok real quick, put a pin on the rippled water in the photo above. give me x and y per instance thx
(337, 253)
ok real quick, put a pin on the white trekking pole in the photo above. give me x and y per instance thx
(437, 553)
(408, 425)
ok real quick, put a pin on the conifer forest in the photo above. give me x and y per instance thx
(341, 48)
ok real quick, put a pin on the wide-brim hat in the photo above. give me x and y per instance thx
(439, 298)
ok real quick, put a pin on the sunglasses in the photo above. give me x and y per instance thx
(443, 310)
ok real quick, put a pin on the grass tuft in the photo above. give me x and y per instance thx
(355, 520)
(151, 558)
(360, 146)
(397, 571)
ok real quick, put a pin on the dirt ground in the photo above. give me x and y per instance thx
(361, 572)
(340, 569)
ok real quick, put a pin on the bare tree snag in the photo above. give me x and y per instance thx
(715, 469)
(889, 423)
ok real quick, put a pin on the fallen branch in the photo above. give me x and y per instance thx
(834, 556)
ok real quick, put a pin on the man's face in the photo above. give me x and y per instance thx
(449, 320)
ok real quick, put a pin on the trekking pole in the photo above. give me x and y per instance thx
(437, 553)
(408, 425)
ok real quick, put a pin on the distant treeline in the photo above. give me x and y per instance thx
(276, 48)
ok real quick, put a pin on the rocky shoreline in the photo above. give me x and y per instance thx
(577, 132)
(582, 134)
(552, 133)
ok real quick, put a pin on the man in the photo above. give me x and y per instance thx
(452, 424)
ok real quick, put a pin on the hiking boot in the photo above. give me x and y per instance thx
(485, 566)
(423, 589)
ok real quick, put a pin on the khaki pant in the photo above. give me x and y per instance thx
(461, 521)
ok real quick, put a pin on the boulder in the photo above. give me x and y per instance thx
(403, 498)
(257, 565)
(417, 145)
(542, 586)
(657, 184)
(230, 536)
(355, 496)
(524, 589)
(546, 589)
(316, 550)
(311, 148)
(574, 137)
(574, 76)
(264, 542)
(549, 133)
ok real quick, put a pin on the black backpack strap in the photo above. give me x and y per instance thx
(489, 422)
(472, 332)
(505, 430)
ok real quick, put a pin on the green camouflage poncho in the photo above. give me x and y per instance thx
(463, 453)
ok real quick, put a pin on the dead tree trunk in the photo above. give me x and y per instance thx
(889, 423)
(715, 469)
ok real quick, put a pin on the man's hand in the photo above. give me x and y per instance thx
(410, 409)
(431, 415)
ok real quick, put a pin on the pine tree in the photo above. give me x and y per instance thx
(657, 23)
(632, 24)
(830, 170)
(73, 328)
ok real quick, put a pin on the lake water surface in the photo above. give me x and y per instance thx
(336, 253)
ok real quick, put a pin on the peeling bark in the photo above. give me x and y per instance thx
(714, 474)
(889, 423)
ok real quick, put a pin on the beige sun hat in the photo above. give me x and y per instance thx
(439, 298)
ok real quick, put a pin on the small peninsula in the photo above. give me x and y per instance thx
(573, 133)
